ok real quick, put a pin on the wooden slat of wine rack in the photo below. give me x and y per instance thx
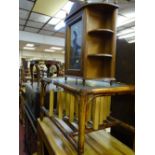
(71, 108)
(101, 110)
(76, 107)
(60, 104)
(67, 95)
(96, 110)
(89, 110)
(104, 108)
(51, 102)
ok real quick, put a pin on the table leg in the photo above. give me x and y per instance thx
(81, 118)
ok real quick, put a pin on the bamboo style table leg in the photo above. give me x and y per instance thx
(81, 117)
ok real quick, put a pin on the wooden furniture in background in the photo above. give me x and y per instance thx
(125, 72)
(25, 71)
(37, 73)
(27, 106)
(91, 41)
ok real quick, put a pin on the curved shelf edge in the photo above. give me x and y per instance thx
(100, 55)
(101, 31)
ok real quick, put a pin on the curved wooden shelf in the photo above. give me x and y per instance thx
(100, 31)
(100, 55)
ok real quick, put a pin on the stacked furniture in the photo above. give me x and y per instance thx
(78, 122)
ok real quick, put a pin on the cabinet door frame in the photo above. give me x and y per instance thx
(70, 22)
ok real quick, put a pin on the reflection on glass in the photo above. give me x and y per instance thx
(76, 42)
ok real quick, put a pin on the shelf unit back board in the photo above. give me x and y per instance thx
(98, 68)
(98, 42)
(99, 18)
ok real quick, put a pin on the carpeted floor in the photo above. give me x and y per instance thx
(21, 140)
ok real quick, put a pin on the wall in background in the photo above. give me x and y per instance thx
(41, 55)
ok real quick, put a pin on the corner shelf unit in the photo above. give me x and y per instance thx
(98, 40)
